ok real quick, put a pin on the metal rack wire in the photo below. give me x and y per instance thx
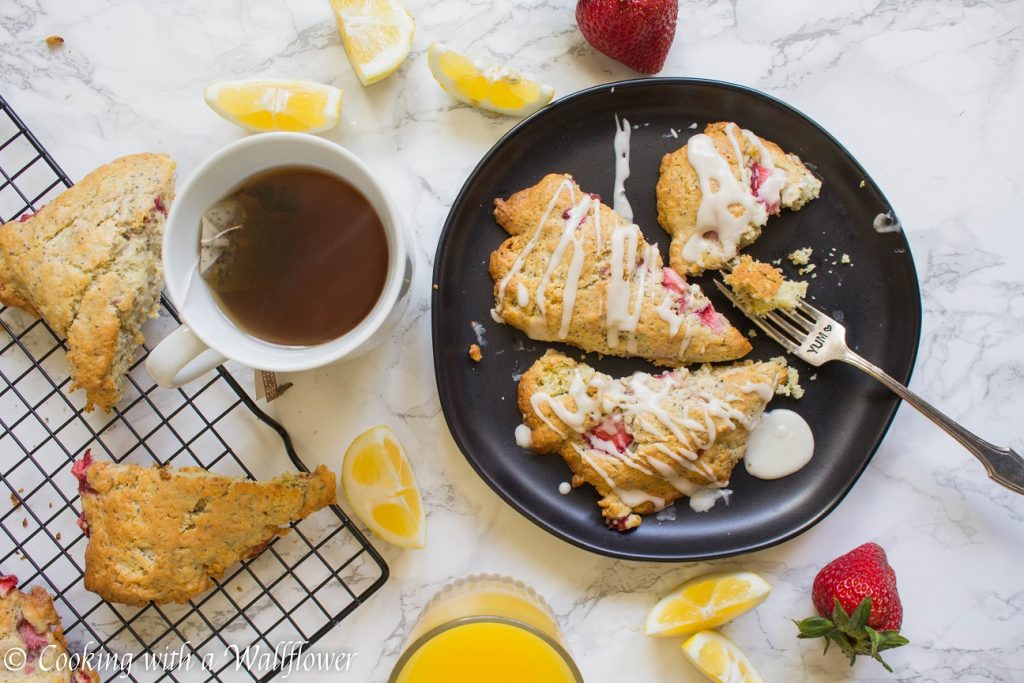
(264, 610)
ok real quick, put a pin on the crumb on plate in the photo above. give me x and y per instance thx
(800, 257)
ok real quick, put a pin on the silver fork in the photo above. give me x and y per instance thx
(816, 338)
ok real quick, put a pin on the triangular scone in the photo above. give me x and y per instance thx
(577, 272)
(32, 644)
(160, 534)
(88, 263)
(715, 193)
(645, 440)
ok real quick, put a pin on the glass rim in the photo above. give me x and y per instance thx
(415, 646)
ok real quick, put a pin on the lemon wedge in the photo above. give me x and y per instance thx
(299, 106)
(706, 602)
(379, 485)
(487, 86)
(719, 659)
(377, 35)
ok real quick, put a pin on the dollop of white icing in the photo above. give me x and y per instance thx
(524, 438)
(781, 445)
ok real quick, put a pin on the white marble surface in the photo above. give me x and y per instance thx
(927, 94)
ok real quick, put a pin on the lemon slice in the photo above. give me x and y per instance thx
(706, 602)
(379, 485)
(487, 86)
(377, 35)
(719, 659)
(261, 106)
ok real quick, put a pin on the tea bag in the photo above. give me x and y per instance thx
(241, 243)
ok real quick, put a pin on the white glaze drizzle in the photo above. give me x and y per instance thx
(528, 249)
(640, 396)
(713, 215)
(522, 295)
(631, 497)
(619, 201)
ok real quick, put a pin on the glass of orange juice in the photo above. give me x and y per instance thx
(486, 628)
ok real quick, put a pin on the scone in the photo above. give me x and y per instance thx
(716, 192)
(88, 263)
(760, 287)
(646, 440)
(575, 271)
(32, 645)
(159, 534)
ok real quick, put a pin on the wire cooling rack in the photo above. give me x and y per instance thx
(264, 610)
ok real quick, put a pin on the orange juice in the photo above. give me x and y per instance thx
(491, 651)
(486, 628)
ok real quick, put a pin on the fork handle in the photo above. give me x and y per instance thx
(1004, 466)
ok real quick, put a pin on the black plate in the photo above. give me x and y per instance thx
(877, 298)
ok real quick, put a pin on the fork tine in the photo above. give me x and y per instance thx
(811, 311)
(800, 321)
(774, 334)
(776, 319)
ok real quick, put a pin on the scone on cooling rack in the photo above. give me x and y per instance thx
(644, 441)
(161, 534)
(760, 287)
(88, 263)
(32, 645)
(716, 192)
(575, 271)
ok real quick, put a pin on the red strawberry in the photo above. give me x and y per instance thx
(855, 594)
(637, 33)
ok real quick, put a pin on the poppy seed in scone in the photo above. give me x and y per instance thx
(164, 535)
(89, 264)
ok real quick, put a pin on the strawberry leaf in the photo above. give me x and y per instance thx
(859, 618)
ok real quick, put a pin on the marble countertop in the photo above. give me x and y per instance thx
(927, 94)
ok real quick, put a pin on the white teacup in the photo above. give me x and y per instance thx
(208, 336)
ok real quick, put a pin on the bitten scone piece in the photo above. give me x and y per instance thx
(88, 263)
(32, 645)
(160, 534)
(577, 272)
(716, 192)
(760, 288)
(645, 440)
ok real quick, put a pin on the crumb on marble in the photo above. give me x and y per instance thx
(807, 269)
(862, 183)
(751, 333)
(475, 353)
(54, 41)
(814, 377)
(845, 259)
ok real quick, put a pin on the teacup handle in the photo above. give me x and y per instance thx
(180, 358)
